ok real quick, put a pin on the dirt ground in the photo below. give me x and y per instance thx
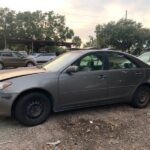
(114, 127)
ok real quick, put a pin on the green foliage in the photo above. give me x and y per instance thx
(33, 25)
(7, 25)
(77, 41)
(55, 49)
(126, 35)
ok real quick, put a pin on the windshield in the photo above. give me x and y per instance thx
(16, 54)
(61, 62)
(145, 57)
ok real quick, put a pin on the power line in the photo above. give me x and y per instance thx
(86, 21)
(76, 14)
(83, 15)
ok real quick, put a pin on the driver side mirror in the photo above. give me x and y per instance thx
(72, 69)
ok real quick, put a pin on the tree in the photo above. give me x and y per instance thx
(29, 25)
(126, 35)
(7, 25)
(77, 41)
(91, 43)
(43, 26)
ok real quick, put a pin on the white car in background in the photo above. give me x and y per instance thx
(43, 57)
(145, 57)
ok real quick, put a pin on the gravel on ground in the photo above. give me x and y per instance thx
(113, 127)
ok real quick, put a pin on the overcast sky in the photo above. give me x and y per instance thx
(83, 15)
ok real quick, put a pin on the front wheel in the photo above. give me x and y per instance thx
(141, 97)
(32, 109)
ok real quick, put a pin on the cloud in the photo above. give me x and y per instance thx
(32, 5)
(83, 16)
(92, 12)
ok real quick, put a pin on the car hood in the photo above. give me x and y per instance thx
(12, 73)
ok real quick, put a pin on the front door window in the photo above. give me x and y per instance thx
(91, 62)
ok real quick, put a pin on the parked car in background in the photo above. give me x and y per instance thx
(33, 55)
(74, 79)
(24, 53)
(145, 57)
(14, 59)
(42, 57)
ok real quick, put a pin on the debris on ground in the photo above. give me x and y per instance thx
(117, 127)
(53, 146)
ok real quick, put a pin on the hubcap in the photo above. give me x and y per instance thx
(30, 65)
(34, 109)
(143, 96)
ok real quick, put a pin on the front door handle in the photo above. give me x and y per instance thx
(102, 76)
(139, 73)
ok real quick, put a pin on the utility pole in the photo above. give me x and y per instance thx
(126, 15)
(33, 39)
(5, 40)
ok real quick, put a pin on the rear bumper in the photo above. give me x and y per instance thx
(6, 101)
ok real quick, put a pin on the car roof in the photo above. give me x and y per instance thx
(84, 51)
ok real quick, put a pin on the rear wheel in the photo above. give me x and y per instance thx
(1, 66)
(30, 64)
(141, 97)
(32, 109)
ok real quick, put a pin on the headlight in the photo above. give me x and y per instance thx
(4, 85)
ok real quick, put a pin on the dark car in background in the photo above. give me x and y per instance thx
(14, 59)
(75, 79)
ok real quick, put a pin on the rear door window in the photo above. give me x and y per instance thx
(119, 61)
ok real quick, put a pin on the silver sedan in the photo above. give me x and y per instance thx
(73, 80)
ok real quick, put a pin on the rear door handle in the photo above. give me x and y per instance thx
(124, 71)
(102, 76)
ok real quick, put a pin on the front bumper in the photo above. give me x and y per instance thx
(6, 101)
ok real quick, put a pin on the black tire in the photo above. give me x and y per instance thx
(1, 66)
(30, 64)
(141, 97)
(32, 109)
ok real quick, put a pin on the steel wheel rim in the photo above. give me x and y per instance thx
(34, 109)
(143, 97)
